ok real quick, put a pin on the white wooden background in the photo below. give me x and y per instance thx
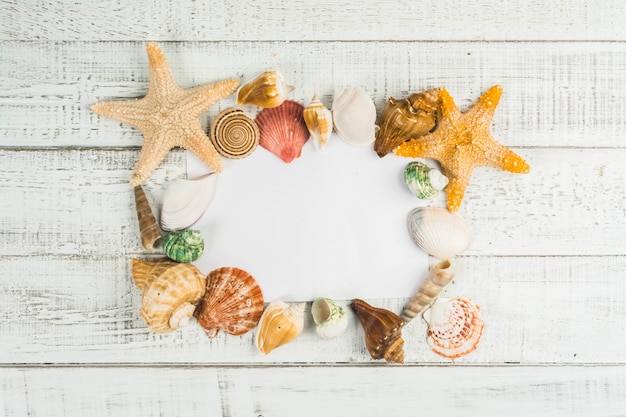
(547, 267)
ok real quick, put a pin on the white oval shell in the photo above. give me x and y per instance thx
(331, 319)
(439, 232)
(186, 200)
(354, 117)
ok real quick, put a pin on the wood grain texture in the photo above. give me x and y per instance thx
(113, 20)
(555, 94)
(315, 391)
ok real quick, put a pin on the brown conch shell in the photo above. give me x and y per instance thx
(283, 131)
(319, 121)
(383, 331)
(406, 119)
(148, 226)
(439, 276)
(454, 327)
(171, 291)
(233, 302)
(267, 89)
(234, 134)
(280, 324)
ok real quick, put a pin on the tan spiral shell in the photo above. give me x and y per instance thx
(234, 134)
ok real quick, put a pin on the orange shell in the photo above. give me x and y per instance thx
(454, 327)
(283, 131)
(233, 302)
(383, 331)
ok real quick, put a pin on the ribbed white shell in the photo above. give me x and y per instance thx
(354, 117)
(185, 201)
(439, 232)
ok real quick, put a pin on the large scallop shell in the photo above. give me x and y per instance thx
(234, 134)
(267, 89)
(171, 291)
(406, 119)
(354, 116)
(383, 331)
(439, 276)
(280, 324)
(454, 327)
(283, 131)
(330, 318)
(423, 181)
(233, 302)
(148, 227)
(183, 245)
(186, 200)
(439, 232)
(319, 121)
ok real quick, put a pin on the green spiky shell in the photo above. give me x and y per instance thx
(183, 245)
(417, 178)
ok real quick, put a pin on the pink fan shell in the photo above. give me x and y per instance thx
(283, 131)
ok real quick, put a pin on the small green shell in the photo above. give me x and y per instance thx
(183, 245)
(423, 181)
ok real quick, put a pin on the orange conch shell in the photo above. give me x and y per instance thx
(171, 291)
(319, 121)
(383, 331)
(148, 226)
(454, 327)
(283, 131)
(280, 324)
(406, 119)
(267, 89)
(233, 302)
(439, 276)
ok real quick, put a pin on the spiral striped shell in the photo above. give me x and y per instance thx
(234, 134)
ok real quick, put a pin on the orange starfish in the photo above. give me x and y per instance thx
(462, 141)
(168, 116)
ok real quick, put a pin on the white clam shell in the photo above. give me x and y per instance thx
(354, 117)
(439, 232)
(185, 201)
(331, 319)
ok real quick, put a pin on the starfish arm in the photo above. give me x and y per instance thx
(500, 156)
(427, 146)
(197, 100)
(449, 112)
(458, 171)
(162, 87)
(132, 112)
(485, 106)
(198, 143)
(153, 151)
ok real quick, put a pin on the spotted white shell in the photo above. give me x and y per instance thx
(330, 318)
(439, 232)
(354, 117)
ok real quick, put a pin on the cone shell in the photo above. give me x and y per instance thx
(423, 181)
(383, 331)
(148, 226)
(233, 302)
(183, 245)
(354, 117)
(406, 119)
(283, 131)
(280, 324)
(319, 121)
(185, 201)
(171, 291)
(454, 327)
(439, 276)
(439, 232)
(267, 89)
(330, 318)
(234, 134)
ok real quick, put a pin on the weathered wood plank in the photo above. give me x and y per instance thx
(555, 94)
(71, 202)
(314, 391)
(566, 310)
(326, 20)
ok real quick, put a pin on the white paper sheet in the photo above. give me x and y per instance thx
(332, 223)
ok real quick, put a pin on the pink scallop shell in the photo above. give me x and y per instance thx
(454, 327)
(283, 131)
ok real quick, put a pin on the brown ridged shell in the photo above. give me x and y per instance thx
(148, 226)
(406, 119)
(234, 134)
(383, 331)
(283, 131)
(233, 302)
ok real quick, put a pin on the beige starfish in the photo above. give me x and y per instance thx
(168, 116)
(462, 141)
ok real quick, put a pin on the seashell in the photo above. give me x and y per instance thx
(319, 121)
(454, 327)
(406, 119)
(234, 134)
(233, 302)
(280, 324)
(283, 131)
(148, 227)
(183, 245)
(383, 331)
(267, 89)
(423, 181)
(171, 291)
(354, 117)
(439, 232)
(185, 201)
(330, 318)
(439, 276)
